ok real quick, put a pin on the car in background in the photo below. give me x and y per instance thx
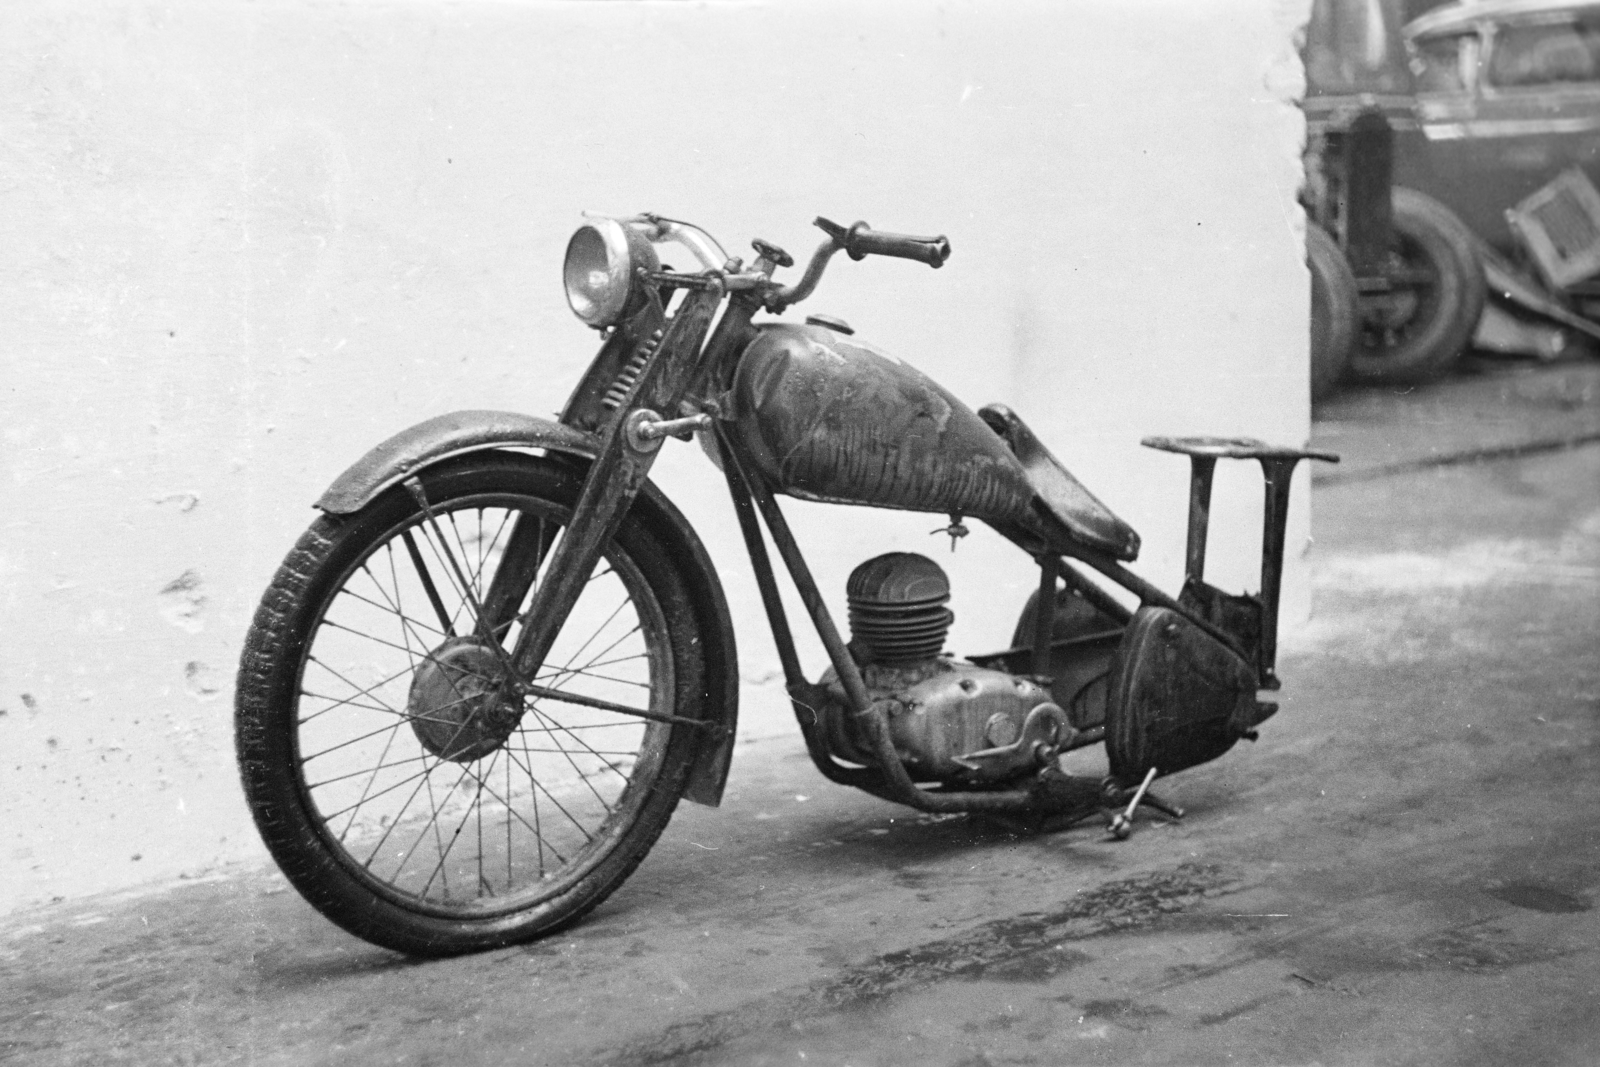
(1397, 284)
(1508, 98)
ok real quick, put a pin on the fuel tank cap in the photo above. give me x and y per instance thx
(830, 323)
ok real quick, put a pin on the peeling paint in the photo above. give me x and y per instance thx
(183, 502)
(201, 681)
(183, 602)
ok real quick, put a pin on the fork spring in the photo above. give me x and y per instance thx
(630, 373)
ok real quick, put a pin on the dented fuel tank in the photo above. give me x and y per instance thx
(826, 417)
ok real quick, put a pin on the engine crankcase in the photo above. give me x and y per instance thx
(952, 721)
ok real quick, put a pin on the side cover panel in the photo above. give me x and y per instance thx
(461, 432)
(825, 417)
(1179, 697)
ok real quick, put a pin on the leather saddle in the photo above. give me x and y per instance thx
(1058, 496)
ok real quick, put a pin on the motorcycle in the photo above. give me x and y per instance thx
(481, 681)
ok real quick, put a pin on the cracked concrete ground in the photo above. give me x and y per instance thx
(1402, 870)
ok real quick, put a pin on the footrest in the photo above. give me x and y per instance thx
(1234, 448)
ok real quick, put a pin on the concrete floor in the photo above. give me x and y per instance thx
(1403, 870)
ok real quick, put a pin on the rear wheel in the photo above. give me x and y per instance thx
(401, 782)
(1416, 329)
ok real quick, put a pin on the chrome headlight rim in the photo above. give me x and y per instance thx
(598, 271)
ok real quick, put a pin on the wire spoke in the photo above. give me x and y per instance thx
(401, 784)
(568, 670)
(559, 807)
(374, 770)
(580, 726)
(349, 741)
(512, 812)
(432, 820)
(597, 631)
(359, 691)
(579, 770)
(371, 780)
(509, 812)
(361, 633)
(446, 620)
(614, 662)
(346, 703)
(391, 796)
(393, 604)
(609, 678)
(586, 746)
(437, 843)
(434, 538)
(445, 850)
(407, 623)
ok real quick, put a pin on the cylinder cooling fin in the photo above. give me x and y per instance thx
(897, 609)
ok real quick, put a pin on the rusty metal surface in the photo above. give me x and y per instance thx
(620, 471)
(439, 438)
(1178, 697)
(1078, 670)
(1064, 498)
(897, 609)
(825, 417)
(1235, 448)
(943, 715)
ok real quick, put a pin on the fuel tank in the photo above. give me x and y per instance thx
(826, 417)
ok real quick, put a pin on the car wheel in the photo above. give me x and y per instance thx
(1335, 312)
(1416, 329)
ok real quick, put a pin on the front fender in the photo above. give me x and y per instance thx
(457, 433)
(448, 436)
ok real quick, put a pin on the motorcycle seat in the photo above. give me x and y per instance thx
(1057, 494)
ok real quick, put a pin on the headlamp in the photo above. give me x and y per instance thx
(599, 271)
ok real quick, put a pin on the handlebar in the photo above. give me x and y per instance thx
(658, 229)
(861, 240)
(858, 241)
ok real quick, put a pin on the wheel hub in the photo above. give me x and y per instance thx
(460, 707)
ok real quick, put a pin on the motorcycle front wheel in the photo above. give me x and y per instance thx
(403, 786)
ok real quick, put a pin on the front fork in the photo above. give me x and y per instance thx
(628, 448)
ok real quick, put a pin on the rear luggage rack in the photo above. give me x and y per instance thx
(1252, 619)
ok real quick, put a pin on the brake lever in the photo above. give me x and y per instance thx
(840, 234)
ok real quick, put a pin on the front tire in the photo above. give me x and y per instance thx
(1415, 331)
(403, 788)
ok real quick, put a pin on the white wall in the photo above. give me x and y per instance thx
(242, 242)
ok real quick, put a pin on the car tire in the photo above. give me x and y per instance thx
(1335, 312)
(1418, 328)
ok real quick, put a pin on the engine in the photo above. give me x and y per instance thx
(950, 721)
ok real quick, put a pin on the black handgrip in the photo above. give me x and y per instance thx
(861, 240)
